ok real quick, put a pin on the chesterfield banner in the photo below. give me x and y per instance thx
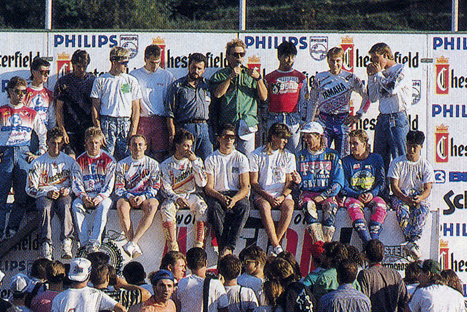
(436, 65)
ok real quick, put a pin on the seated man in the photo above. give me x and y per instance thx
(49, 181)
(227, 189)
(183, 176)
(137, 181)
(272, 169)
(322, 179)
(411, 179)
(92, 187)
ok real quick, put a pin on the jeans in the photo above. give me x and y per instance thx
(202, 145)
(85, 217)
(336, 131)
(48, 207)
(293, 121)
(116, 131)
(13, 170)
(228, 224)
(390, 136)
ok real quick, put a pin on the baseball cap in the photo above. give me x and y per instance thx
(432, 266)
(160, 275)
(80, 268)
(19, 283)
(312, 127)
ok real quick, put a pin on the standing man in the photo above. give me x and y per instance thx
(93, 187)
(391, 85)
(287, 93)
(73, 102)
(49, 181)
(115, 104)
(238, 89)
(187, 105)
(227, 189)
(16, 125)
(330, 96)
(137, 181)
(154, 82)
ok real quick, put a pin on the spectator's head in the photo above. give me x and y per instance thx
(278, 136)
(39, 268)
(40, 70)
(16, 90)
(19, 285)
(452, 280)
(98, 258)
(163, 285)
(317, 251)
(381, 49)
(175, 262)
(355, 255)
(272, 290)
(119, 58)
(112, 275)
(80, 270)
(100, 275)
(335, 59)
(431, 273)
(347, 271)
(412, 272)
(196, 66)
(183, 142)
(287, 255)
(312, 134)
(54, 141)
(253, 259)
(334, 253)
(93, 139)
(137, 146)
(281, 270)
(235, 52)
(152, 57)
(196, 258)
(358, 142)
(374, 251)
(56, 272)
(227, 136)
(134, 273)
(229, 267)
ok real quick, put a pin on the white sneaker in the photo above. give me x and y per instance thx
(278, 249)
(413, 250)
(132, 250)
(274, 251)
(137, 252)
(47, 250)
(67, 246)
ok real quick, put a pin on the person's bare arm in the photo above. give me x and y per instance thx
(258, 189)
(244, 180)
(135, 110)
(59, 117)
(211, 192)
(119, 308)
(397, 191)
(171, 128)
(222, 88)
(122, 283)
(96, 108)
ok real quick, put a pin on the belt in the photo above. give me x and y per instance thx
(334, 115)
(394, 114)
(195, 121)
(112, 117)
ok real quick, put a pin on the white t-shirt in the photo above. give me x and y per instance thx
(153, 90)
(85, 299)
(116, 94)
(437, 298)
(272, 169)
(226, 169)
(252, 282)
(411, 175)
(190, 294)
(241, 298)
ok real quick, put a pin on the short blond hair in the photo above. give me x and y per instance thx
(93, 132)
(382, 49)
(233, 44)
(118, 54)
(335, 52)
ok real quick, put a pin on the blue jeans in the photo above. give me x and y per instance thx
(390, 136)
(116, 130)
(293, 121)
(336, 131)
(83, 218)
(13, 170)
(202, 145)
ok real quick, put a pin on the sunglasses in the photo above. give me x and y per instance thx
(44, 72)
(20, 92)
(228, 137)
(238, 55)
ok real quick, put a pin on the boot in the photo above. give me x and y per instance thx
(170, 235)
(316, 232)
(375, 229)
(362, 231)
(328, 233)
(200, 234)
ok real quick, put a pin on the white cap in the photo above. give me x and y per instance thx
(80, 269)
(19, 283)
(312, 127)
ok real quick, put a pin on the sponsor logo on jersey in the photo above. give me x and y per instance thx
(130, 42)
(348, 58)
(442, 75)
(318, 47)
(442, 144)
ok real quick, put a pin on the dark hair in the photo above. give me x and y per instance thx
(347, 271)
(112, 275)
(39, 268)
(286, 48)
(272, 290)
(54, 133)
(253, 253)
(415, 137)
(198, 58)
(99, 274)
(279, 130)
(196, 258)
(138, 135)
(334, 253)
(56, 272)
(134, 273)
(452, 280)
(412, 271)
(374, 251)
(229, 267)
(152, 50)
(37, 63)
(170, 258)
(289, 257)
(98, 258)
(182, 135)
(355, 255)
(281, 270)
(226, 127)
(14, 82)
(80, 57)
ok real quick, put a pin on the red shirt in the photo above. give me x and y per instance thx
(284, 90)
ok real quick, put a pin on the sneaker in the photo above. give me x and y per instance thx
(92, 247)
(137, 252)
(278, 249)
(47, 250)
(132, 250)
(274, 251)
(67, 249)
(413, 250)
